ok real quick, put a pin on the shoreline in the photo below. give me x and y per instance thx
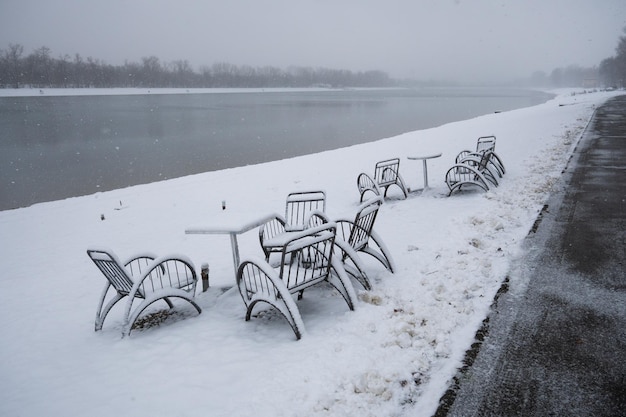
(131, 91)
(25, 184)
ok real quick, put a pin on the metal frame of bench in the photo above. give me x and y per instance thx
(306, 260)
(144, 277)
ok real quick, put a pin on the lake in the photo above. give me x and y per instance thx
(54, 147)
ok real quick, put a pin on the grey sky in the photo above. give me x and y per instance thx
(465, 40)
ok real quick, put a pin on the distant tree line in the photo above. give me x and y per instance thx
(613, 70)
(571, 76)
(40, 70)
(610, 73)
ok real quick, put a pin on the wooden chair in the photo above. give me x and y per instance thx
(142, 277)
(386, 174)
(306, 260)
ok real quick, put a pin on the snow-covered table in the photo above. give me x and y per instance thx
(424, 160)
(233, 228)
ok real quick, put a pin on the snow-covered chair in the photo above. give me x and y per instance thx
(144, 277)
(357, 235)
(472, 171)
(483, 162)
(302, 210)
(386, 174)
(484, 144)
(366, 185)
(306, 260)
(299, 206)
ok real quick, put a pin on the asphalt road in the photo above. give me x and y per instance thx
(554, 343)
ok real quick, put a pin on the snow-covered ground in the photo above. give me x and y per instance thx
(394, 355)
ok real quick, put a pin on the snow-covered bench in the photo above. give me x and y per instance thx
(145, 277)
(386, 174)
(306, 259)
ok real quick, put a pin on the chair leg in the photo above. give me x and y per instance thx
(384, 255)
(402, 186)
(342, 283)
(257, 283)
(357, 270)
(102, 313)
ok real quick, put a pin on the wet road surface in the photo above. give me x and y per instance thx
(554, 343)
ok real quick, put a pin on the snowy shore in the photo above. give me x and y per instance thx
(394, 355)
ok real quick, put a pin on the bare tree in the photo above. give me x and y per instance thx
(12, 68)
(39, 69)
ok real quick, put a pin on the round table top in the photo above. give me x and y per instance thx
(437, 155)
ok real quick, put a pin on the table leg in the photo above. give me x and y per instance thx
(235, 248)
(425, 174)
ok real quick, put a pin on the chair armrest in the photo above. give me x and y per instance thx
(344, 228)
(173, 271)
(137, 263)
(139, 256)
(462, 155)
(317, 218)
(272, 228)
(257, 278)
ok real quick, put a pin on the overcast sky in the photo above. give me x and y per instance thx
(463, 40)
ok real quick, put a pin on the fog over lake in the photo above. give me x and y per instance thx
(57, 147)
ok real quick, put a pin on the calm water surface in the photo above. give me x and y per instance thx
(57, 147)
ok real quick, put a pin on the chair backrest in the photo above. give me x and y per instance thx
(386, 172)
(462, 155)
(299, 206)
(484, 160)
(364, 223)
(306, 258)
(486, 143)
(112, 270)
